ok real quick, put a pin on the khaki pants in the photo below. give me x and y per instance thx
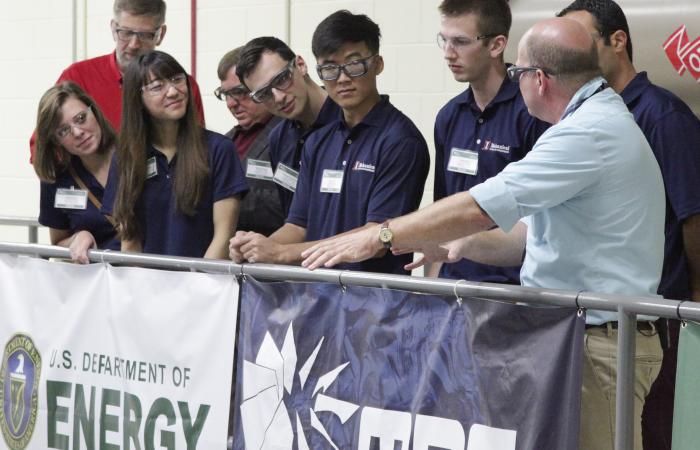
(597, 431)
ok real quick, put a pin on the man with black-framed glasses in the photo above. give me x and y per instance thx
(367, 165)
(138, 26)
(260, 210)
(485, 127)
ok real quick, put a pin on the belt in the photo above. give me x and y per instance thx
(642, 325)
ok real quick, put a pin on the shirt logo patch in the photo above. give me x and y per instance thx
(363, 166)
(493, 147)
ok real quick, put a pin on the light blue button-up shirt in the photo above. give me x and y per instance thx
(592, 196)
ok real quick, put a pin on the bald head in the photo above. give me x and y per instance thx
(566, 32)
(564, 48)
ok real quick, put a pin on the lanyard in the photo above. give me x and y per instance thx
(571, 109)
(91, 196)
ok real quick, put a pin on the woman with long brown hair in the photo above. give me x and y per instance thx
(74, 147)
(174, 187)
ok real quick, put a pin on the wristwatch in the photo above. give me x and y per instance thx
(386, 235)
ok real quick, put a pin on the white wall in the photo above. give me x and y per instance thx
(32, 47)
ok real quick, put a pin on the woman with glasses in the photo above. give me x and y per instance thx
(175, 187)
(74, 147)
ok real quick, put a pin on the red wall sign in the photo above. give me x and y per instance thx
(683, 54)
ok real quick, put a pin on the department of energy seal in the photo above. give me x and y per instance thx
(19, 384)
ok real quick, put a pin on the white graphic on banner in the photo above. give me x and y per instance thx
(267, 424)
(486, 438)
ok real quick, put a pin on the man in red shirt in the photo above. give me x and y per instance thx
(138, 27)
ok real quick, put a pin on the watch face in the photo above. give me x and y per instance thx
(385, 235)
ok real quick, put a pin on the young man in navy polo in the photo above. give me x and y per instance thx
(673, 133)
(360, 170)
(484, 128)
(279, 80)
(260, 210)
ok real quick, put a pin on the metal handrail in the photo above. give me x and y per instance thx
(646, 305)
(32, 225)
(626, 306)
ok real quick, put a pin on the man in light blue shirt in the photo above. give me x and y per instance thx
(586, 206)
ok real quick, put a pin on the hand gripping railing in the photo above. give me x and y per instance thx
(627, 307)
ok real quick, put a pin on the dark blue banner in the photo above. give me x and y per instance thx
(374, 368)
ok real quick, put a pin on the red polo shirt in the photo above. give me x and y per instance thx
(101, 79)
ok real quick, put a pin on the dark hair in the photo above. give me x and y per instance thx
(153, 8)
(569, 64)
(608, 18)
(493, 17)
(253, 51)
(50, 158)
(229, 60)
(342, 27)
(192, 169)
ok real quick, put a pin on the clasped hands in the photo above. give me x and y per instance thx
(248, 246)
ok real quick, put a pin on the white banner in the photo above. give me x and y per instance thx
(114, 357)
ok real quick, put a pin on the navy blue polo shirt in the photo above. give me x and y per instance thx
(383, 160)
(166, 231)
(504, 132)
(673, 133)
(287, 141)
(88, 219)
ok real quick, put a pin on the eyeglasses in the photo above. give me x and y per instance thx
(160, 86)
(356, 68)
(143, 36)
(460, 42)
(515, 72)
(281, 81)
(237, 93)
(78, 120)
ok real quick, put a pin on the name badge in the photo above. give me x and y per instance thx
(286, 177)
(70, 199)
(261, 170)
(151, 167)
(463, 161)
(332, 181)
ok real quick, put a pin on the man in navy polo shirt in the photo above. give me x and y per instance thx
(260, 210)
(358, 171)
(673, 133)
(484, 128)
(280, 81)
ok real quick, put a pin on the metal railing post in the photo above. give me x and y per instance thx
(31, 223)
(624, 414)
(33, 234)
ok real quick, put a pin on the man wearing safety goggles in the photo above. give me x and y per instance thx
(487, 126)
(261, 210)
(279, 81)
